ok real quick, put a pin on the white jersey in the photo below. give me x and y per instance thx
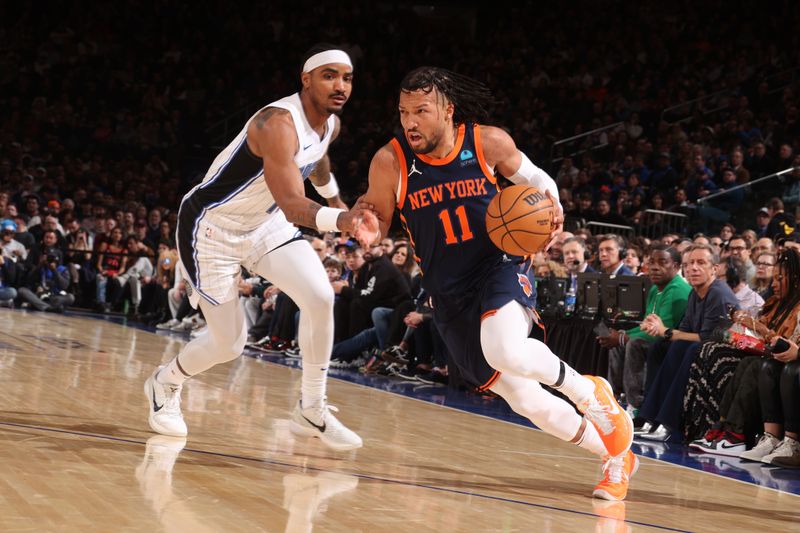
(234, 192)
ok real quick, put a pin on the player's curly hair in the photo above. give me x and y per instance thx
(470, 98)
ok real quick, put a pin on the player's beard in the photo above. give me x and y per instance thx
(430, 145)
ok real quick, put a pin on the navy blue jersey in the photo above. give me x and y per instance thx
(442, 205)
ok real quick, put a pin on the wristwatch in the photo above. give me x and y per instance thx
(668, 334)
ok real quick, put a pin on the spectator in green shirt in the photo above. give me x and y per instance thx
(628, 349)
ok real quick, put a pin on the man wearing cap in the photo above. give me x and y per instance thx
(781, 223)
(762, 222)
(243, 215)
(12, 248)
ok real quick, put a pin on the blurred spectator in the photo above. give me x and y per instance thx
(633, 258)
(735, 277)
(668, 363)
(111, 262)
(762, 282)
(576, 256)
(47, 284)
(739, 249)
(781, 224)
(610, 253)
(12, 248)
(628, 349)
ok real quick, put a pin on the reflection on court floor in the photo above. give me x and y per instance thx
(77, 455)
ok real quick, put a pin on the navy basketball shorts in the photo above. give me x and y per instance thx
(458, 318)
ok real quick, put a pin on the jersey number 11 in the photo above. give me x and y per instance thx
(450, 236)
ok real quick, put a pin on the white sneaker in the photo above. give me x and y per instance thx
(319, 422)
(169, 324)
(765, 446)
(787, 448)
(165, 407)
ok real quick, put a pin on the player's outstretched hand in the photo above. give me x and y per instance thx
(367, 230)
(361, 222)
(558, 220)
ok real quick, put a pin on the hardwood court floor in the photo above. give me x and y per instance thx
(77, 455)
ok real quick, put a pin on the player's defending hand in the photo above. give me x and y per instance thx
(361, 222)
(558, 220)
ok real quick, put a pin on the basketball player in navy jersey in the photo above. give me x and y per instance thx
(440, 175)
(243, 214)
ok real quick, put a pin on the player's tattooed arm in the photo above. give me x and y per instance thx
(264, 115)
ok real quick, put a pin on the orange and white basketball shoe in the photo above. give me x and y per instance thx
(617, 473)
(613, 423)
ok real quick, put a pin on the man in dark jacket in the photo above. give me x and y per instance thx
(48, 282)
(378, 284)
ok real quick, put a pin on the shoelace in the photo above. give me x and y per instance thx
(599, 415)
(615, 469)
(172, 400)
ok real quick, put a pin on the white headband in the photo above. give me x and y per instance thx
(325, 58)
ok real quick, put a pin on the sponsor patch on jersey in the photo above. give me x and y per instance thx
(466, 154)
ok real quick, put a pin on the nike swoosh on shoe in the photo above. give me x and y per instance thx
(320, 428)
(156, 407)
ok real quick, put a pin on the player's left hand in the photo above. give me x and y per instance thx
(558, 221)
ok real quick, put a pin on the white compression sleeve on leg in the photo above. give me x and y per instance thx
(530, 174)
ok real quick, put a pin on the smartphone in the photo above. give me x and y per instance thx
(780, 346)
(601, 330)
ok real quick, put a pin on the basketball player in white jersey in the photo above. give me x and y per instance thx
(242, 214)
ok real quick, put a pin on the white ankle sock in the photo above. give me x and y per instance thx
(172, 374)
(312, 391)
(590, 441)
(576, 387)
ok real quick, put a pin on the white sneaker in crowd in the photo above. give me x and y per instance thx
(765, 446)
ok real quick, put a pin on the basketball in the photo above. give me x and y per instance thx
(519, 220)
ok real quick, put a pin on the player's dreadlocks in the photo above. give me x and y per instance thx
(789, 263)
(469, 97)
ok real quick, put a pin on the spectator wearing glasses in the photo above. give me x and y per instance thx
(762, 282)
(738, 248)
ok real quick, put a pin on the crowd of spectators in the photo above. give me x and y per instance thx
(102, 129)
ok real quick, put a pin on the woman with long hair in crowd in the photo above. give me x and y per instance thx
(723, 381)
(779, 381)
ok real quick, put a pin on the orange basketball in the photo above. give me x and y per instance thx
(519, 220)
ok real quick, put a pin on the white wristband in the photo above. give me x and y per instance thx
(530, 174)
(327, 217)
(330, 189)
